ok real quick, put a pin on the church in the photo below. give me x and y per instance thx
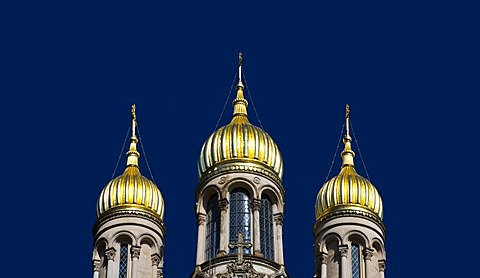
(239, 205)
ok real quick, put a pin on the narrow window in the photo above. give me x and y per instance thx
(123, 260)
(266, 228)
(355, 261)
(240, 217)
(212, 239)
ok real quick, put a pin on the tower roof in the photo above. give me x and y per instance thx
(240, 145)
(131, 191)
(348, 191)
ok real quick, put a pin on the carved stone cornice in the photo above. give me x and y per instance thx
(368, 254)
(223, 204)
(343, 249)
(256, 204)
(278, 218)
(135, 252)
(156, 259)
(120, 213)
(110, 253)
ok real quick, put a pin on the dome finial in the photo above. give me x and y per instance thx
(133, 154)
(240, 59)
(347, 154)
(240, 103)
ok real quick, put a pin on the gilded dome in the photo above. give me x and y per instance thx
(348, 191)
(131, 191)
(240, 145)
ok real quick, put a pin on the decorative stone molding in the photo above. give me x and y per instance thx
(381, 265)
(156, 259)
(256, 180)
(110, 253)
(201, 218)
(222, 180)
(368, 254)
(96, 265)
(223, 204)
(280, 274)
(245, 268)
(256, 204)
(343, 249)
(323, 257)
(278, 218)
(135, 251)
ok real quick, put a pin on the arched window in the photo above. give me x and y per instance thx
(240, 216)
(266, 228)
(355, 260)
(212, 235)
(123, 268)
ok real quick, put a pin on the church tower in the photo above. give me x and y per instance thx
(240, 200)
(129, 232)
(349, 232)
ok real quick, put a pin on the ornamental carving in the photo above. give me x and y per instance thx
(278, 218)
(156, 259)
(368, 254)
(201, 218)
(323, 257)
(222, 180)
(245, 269)
(110, 253)
(343, 249)
(256, 204)
(135, 252)
(223, 204)
(96, 265)
(381, 265)
(256, 180)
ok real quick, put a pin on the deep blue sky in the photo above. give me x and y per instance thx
(70, 72)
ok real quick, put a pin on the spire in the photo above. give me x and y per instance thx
(240, 103)
(347, 154)
(133, 154)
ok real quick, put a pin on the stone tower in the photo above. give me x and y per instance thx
(129, 232)
(240, 200)
(349, 232)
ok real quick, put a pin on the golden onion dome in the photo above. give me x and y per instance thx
(131, 191)
(240, 145)
(348, 191)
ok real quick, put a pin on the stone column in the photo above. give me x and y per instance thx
(368, 254)
(323, 259)
(256, 205)
(135, 253)
(278, 218)
(96, 268)
(156, 260)
(110, 255)
(201, 218)
(96, 264)
(224, 227)
(343, 249)
(381, 268)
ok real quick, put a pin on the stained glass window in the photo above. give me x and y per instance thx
(212, 241)
(123, 261)
(355, 261)
(240, 216)
(266, 228)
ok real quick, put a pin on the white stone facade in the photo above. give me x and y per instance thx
(333, 245)
(145, 241)
(257, 185)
